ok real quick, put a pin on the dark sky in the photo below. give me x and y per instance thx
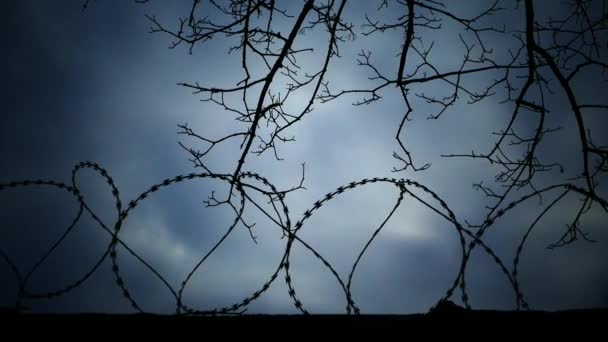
(97, 86)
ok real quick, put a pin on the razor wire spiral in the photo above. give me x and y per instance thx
(468, 239)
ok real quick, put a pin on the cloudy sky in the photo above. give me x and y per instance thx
(97, 86)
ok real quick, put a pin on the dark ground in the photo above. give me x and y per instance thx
(474, 323)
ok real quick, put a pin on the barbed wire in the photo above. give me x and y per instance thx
(468, 239)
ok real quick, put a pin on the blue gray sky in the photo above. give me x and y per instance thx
(97, 86)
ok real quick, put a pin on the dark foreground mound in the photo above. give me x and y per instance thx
(464, 323)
